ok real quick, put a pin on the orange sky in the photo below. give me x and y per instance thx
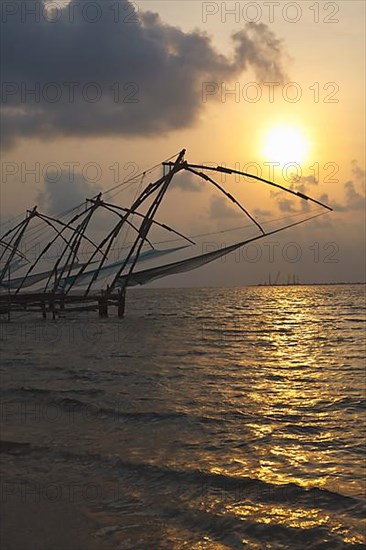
(325, 60)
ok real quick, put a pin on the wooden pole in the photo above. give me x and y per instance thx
(162, 187)
(121, 303)
(9, 297)
(103, 305)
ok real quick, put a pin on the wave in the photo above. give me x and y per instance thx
(243, 488)
(47, 392)
(350, 403)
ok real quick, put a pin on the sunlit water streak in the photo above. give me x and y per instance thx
(208, 418)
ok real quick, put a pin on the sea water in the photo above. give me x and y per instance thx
(205, 419)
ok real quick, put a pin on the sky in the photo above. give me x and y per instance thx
(99, 91)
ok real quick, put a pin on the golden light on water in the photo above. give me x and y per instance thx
(292, 352)
(285, 144)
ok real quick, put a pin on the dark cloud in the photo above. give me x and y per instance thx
(160, 71)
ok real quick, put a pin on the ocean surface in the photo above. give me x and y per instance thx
(206, 419)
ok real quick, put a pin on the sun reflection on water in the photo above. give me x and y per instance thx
(285, 371)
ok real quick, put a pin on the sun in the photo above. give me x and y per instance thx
(285, 144)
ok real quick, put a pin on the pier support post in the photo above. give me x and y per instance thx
(52, 309)
(121, 303)
(103, 306)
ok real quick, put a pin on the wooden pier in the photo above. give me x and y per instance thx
(55, 305)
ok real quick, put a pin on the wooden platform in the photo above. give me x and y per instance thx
(54, 304)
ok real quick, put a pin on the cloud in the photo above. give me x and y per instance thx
(353, 199)
(308, 180)
(299, 184)
(259, 212)
(187, 182)
(62, 193)
(220, 208)
(286, 205)
(136, 78)
(358, 172)
(292, 205)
